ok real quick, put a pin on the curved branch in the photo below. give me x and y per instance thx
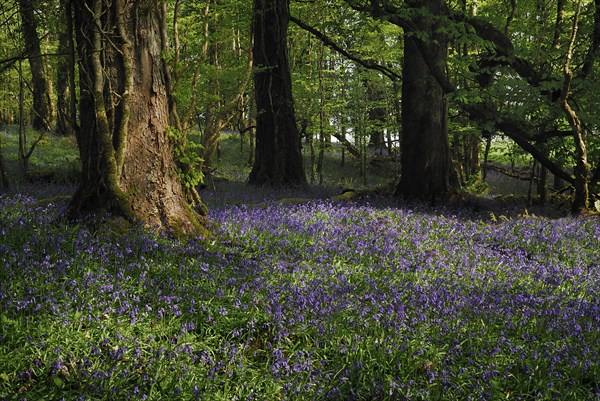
(518, 131)
(327, 41)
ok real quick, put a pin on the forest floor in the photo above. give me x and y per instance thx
(301, 296)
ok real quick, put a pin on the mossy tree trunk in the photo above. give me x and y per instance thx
(42, 107)
(582, 167)
(278, 160)
(66, 116)
(127, 159)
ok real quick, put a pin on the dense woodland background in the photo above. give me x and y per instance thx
(429, 90)
(119, 115)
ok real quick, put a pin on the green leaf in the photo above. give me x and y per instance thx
(58, 382)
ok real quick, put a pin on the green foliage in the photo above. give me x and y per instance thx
(213, 53)
(187, 155)
(476, 185)
(55, 158)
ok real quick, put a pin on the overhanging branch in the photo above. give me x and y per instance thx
(518, 131)
(327, 41)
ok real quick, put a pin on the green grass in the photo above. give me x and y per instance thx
(54, 157)
(505, 152)
(233, 165)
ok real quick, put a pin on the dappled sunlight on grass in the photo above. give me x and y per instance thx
(300, 301)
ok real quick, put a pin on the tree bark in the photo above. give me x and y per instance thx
(4, 181)
(127, 158)
(425, 154)
(582, 168)
(42, 109)
(278, 160)
(66, 119)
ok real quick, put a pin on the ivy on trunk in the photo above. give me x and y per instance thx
(127, 157)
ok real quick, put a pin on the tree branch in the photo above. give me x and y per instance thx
(327, 41)
(384, 11)
(518, 131)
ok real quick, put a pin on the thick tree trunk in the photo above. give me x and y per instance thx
(42, 109)
(127, 159)
(66, 120)
(425, 157)
(278, 158)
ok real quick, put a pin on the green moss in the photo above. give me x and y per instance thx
(200, 227)
(347, 196)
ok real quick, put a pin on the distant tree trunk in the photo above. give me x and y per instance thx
(127, 158)
(214, 120)
(542, 188)
(42, 109)
(322, 118)
(66, 97)
(425, 157)
(278, 158)
(376, 116)
(4, 181)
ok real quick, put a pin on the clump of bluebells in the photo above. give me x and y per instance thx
(301, 300)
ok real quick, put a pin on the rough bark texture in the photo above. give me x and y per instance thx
(42, 110)
(278, 158)
(127, 159)
(66, 119)
(425, 158)
(582, 168)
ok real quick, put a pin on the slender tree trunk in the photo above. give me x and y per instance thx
(582, 168)
(214, 121)
(42, 110)
(425, 156)
(127, 158)
(310, 141)
(542, 187)
(66, 122)
(4, 181)
(322, 116)
(278, 159)
(376, 116)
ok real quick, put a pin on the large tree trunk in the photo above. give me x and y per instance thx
(425, 157)
(42, 109)
(66, 120)
(127, 159)
(278, 159)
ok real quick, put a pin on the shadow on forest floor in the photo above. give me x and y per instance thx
(220, 193)
(474, 207)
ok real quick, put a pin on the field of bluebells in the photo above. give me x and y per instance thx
(301, 299)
